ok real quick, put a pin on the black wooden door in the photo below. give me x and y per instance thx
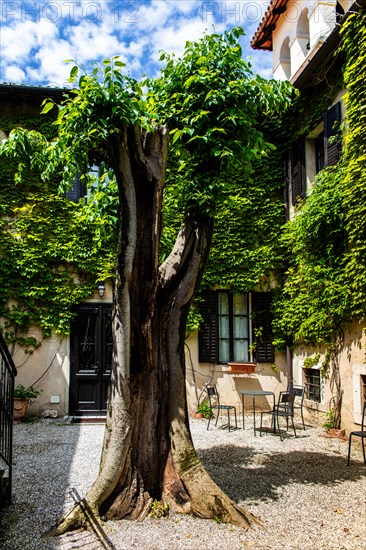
(90, 360)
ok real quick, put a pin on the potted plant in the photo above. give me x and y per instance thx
(331, 424)
(203, 410)
(22, 398)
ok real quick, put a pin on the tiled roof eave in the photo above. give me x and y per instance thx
(262, 39)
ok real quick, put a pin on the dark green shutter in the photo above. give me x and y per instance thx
(332, 119)
(208, 334)
(298, 174)
(262, 320)
(286, 187)
(77, 191)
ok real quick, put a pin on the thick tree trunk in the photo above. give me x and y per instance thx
(148, 452)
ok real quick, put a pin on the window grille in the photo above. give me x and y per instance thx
(363, 388)
(312, 384)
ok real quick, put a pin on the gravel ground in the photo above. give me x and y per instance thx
(301, 489)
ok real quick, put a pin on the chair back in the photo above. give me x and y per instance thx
(286, 401)
(213, 395)
(299, 394)
(298, 391)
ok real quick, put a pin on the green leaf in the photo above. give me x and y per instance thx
(47, 107)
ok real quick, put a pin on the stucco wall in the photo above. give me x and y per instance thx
(48, 368)
(229, 384)
(351, 364)
(351, 367)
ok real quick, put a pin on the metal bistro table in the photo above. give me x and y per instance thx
(254, 394)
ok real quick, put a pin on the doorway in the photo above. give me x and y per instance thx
(90, 360)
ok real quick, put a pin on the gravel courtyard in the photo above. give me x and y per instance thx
(301, 489)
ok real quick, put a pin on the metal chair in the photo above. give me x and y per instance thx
(299, 400)
(283, 409)
(360, 433)
(214, 400)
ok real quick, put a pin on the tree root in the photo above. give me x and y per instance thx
(70, 521)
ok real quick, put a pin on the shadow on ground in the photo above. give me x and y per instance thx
(257, 476)
(44, 472)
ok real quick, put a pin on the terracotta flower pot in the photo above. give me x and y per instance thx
(20, 407)
(335, 432)
(244, 368)
(197, 415)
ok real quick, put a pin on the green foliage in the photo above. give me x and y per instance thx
(314, 299)
(325, 283)
(246, 248)
(21, 392)
(50, 248)
(330, 420)
(50, 260)
(213, 105)
(159, 509)
(354, 185)
(54, 252)
(205, 409)
(311, 361)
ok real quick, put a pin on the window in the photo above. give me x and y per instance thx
(78, 189)
(285, 59)
(233, 327)
(312, 384)
(332, 119)
(303, 36)
(363, 389)
(308, 156)
(231, 323)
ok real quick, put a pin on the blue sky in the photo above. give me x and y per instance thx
(37, 36)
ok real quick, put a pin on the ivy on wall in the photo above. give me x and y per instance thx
(325, 284)
(246, 249)
(354, 183)
(52, 251)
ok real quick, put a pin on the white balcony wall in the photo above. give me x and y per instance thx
(304, 25)
(322, 20)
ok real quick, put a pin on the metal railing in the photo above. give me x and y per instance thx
(7, 375)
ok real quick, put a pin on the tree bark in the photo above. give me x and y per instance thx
(148, 452)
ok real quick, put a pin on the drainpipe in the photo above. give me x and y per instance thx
(289, 373)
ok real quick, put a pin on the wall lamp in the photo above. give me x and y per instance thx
(101, 289)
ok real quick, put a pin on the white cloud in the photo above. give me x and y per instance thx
(20, 40)
(89, 42)
(14, 74)
(33, 50)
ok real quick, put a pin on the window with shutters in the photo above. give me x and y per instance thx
(320, 148)
(230, 326)
(233, 327)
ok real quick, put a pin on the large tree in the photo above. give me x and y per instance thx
(197, 122)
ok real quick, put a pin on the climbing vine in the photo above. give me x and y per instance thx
(52, 251)
(325, 283)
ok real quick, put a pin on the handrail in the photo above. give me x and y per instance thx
(7, 375)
